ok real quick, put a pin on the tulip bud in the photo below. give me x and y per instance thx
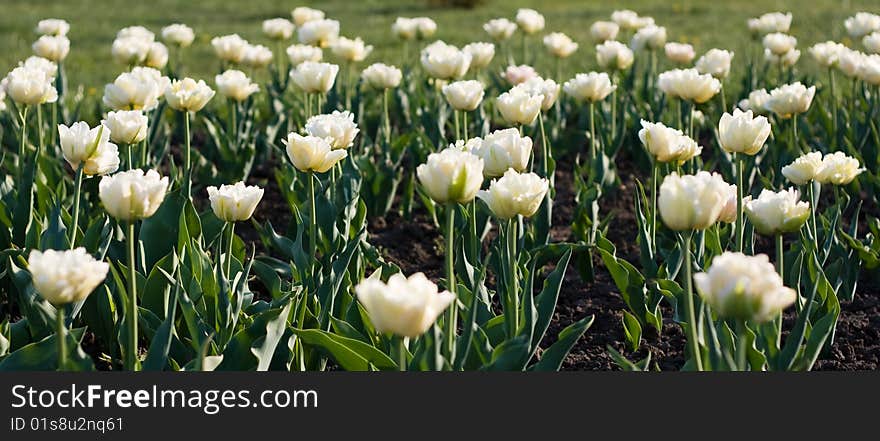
(350, 50)
(314, 77)
(803, 169)
(689, 85)
(452, 175)
(53, 48)
(187, 95)
(382, 76)
(692, 202)
(234, 84)
(861, 24)
(91, 147)
(278, 28)
(63, 277)
(777, 212)
(302, 15)
(311, 153)
(299, 53)
(126, 126)
(666, 144)
(30, 86)
(737, 286)
(52, 26)
(464, 95)
(515, 194)
(319, 33)
(529, 20)
(716, 62)
(178, 34)
(405, 307)
(132, 195)
(445, 62)
(139, 89)
(602, 31)
(481, 54)
(519, 107)
(790, 99)
(233, 203)
(560, 45)
(229, 48)
(499, 29)
(679, 53)
(742, 133)
(838, 169)
(502, 150)
(614, 55)
(338, 127)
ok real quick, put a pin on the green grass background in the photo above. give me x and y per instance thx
(706, 24)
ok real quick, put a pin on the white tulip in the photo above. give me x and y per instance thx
(126, 126)
(178, 34)
(548, 89)
(278, 28)
(52, 26)
(139, 89)
(82, 145)
(445, 62)
(742, 132)
(869, 71)
(689, 85)
(729, 212)
(790, 99)
(188, 95)
(529, 20)
(827, 54)
(499, 29)
(318, 33)
(737, 286)
(838, 169)
(650, 37)
(311, 153)
(667, 144)
(602, 31)
(136, 32)
(406, 307)
(452, 175)
(302, 15)
(777, 212)
(132, 195)
(299, 53)
(464, 95)
(425, 27)
(779, 43)
(756, 102)
(787, 59)
(629, 20)
(519, 107)
(39, 63)
(502, 150)
(861, 24)
(157, 56)
(680, 53)
(338, 127)
(803, 169)
(405, 28)
(256, 56)
(560, 45)
(50, 47)
(519, 74)
(515, 194)
(716, 62)
(314, 77)
(481, 54)
(692, 202)
(130, 51)
(850, 62)
(350, 50)
(233, 203)
(872, 42)
(229, 48)
(235, 84)
(589, 87)
(614, 55)
(770, 22)
(30, 86)
(63, 277)
(382, 76)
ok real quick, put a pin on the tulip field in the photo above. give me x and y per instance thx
(517, 191)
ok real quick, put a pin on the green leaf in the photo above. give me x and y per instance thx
(551, 359)
(350, 354)
(632, 329)
(43, 355)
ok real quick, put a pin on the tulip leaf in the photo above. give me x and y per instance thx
(552, 358)
(350, 354)
(43, 355)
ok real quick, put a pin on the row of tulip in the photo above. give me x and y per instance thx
(147, 248)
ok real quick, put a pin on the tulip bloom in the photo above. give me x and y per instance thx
(515, 194)
(499, 29)
(139, 89)
(50, 47)
(229, 48)
(614, 55)
(481, 55)
(278, 28)
(503, 150)
(178, 34)
(838, 169)
(689, 85)
(775, 213)
(445, 62)
(680, 53)
(338, 127)
(302, 15)
(312, 153)
(770, 22)
(692, 202)
(235, 85)
(743, 133)
(299, 53)
(52, 26)
(560, 45)
(405, 306)
(666, 144)
(451, 175)
(716, 62)
(779, 43)
(464, 95)
(602, 31)
(861, 24)
(88, 147)
(313, 77)
(518, 107)
(382, 76)
(318, 33)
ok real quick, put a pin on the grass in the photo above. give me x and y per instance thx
(95, 22)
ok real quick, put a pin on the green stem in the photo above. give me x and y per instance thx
(811, 190)
(23, 145)
(452, 312)
(741, 346)
(401, 353)
(455, 114)
(229, 251)
(513, 282)
(525, 50)
(794, 135)
(833, 98)
(614, 114)
(61, 337)
(129, 163)
(475, 240)
(464, 125)
(723, 99)
(387, 118)
(313, 223)
(740, 164)
(131, 361)
(187, 160)
(40, 127)
(656, 172)
(780, 256)
(76, 197)
(693, 326)
(145, 144)
(593, 149)
(233, 110)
